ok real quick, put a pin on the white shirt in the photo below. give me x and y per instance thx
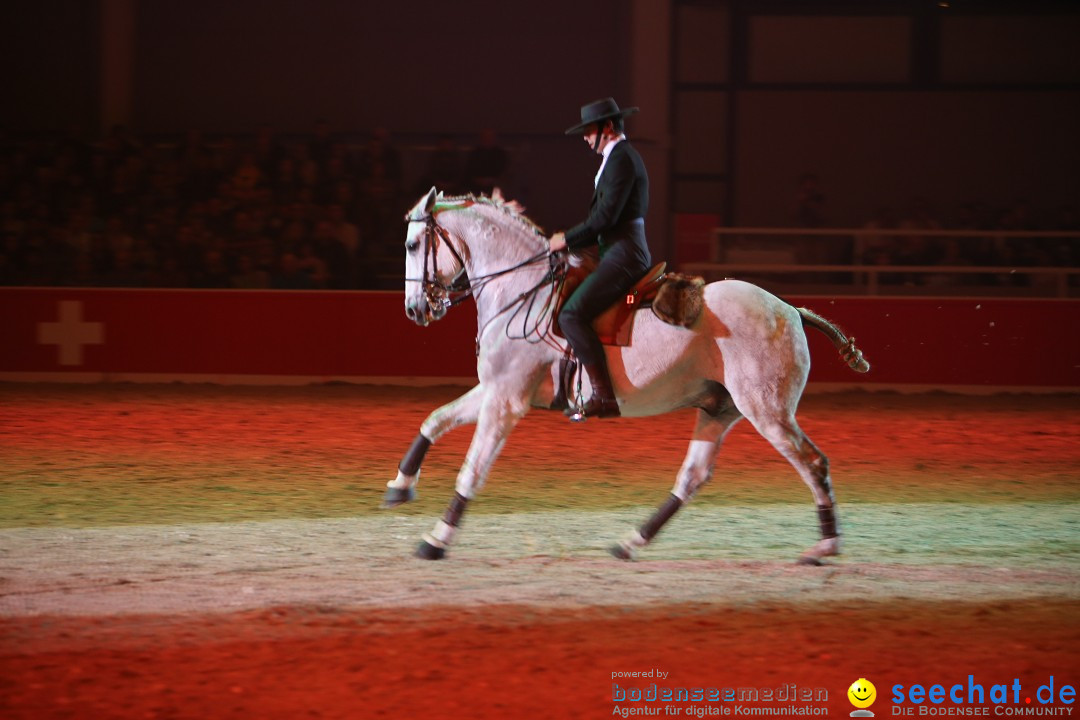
(606, 152)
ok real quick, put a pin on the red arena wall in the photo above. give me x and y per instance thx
(284, 336)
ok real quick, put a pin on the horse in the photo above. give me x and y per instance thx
(745, 356)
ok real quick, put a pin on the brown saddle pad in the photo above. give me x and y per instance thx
(613, 326)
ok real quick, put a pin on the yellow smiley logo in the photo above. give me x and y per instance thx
(862, 693)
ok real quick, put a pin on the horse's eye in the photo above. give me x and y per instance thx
(412, 245)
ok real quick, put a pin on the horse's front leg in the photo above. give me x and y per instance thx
(498, 416)
(464, 410)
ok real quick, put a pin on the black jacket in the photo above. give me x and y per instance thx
(621, 195)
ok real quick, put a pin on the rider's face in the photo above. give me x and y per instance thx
(607, 136)
(589, 136)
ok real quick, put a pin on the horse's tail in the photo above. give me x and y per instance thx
(852, 355)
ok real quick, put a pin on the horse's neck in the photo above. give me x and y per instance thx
(495, 244)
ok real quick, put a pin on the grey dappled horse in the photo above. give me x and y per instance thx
(745, 356)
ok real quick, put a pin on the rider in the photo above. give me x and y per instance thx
(616, 223)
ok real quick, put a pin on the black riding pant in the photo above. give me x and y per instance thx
(624, 261)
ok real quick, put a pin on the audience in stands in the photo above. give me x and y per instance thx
(259, 212)
(993, 250)
(218, 212)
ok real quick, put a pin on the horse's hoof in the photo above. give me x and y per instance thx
(621, 552)
(397, 496)
(815, 556)
(427, 551)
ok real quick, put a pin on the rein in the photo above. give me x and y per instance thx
(461, 286)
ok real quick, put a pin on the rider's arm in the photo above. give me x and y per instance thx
(611, 195)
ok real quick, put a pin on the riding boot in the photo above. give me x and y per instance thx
(602, 403)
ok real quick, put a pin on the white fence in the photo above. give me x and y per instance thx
(870, 261)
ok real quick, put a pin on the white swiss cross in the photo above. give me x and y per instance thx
(71, 332)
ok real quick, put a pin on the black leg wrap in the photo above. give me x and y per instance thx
(827, 519)
(410, 464)
(456, 510)
(662, 515)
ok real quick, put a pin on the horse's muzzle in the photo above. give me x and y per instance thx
(423, 312)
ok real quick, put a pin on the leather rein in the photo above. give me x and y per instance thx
(461, 286)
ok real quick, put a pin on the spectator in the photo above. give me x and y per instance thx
(345, 232)
(380, 185)
(294, 233)
(119, 145)
(76, 150)
(268, 152)
(200, 178)
(285, 185)
(309, 262)
(167, 274)
(123, 272)
(289, 275)
(246, 179)
(226, 157)
(248, 276)
(213, 273)
(321, 144)
(335, 173)
(190, 149)
(380, 153)
(339, 261)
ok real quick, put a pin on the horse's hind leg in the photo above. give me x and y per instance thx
(696, 470)
(496, 419)
(812, 465)
(464, 410)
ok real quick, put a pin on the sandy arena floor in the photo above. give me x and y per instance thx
(205, 552)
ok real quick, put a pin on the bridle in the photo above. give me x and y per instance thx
(443, 295)
(461, 286)
(436, 292)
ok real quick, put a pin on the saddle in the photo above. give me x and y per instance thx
(613, 326)
(674, 298)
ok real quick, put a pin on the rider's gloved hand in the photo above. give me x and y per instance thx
(557, 242)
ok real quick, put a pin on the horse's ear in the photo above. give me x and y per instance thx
(429, 201)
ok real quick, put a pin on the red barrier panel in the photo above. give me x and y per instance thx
(127, 333)
(953, 341)
(229, 332)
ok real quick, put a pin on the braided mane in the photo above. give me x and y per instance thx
(510, 208)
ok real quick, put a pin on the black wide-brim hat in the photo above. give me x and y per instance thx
(597, 112)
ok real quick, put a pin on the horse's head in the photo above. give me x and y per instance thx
(433, 268)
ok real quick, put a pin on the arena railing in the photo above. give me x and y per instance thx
(843, 261)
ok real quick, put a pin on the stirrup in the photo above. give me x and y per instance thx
(602, 408)
(576, 413)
